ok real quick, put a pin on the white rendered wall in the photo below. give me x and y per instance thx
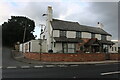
(112, 49)
(20, 48)
(98, 36)
(86, 35)
(35, 46)
(71, 34)
(58, 48)
(56, 33)
(108, 38)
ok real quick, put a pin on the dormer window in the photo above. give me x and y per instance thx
(62, 33)
(78, 34)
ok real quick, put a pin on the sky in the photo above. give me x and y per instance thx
(87, 12)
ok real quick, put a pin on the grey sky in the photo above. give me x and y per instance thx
(86, 13)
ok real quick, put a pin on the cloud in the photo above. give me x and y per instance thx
(86, 13)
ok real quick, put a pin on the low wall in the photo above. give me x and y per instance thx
(115, 56)
(82, 57)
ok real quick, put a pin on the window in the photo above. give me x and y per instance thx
(29, 46)
(68, 48)
(103, 37)
(62, 33)
(65, 47)
(115, 49)
(71, 48)
(78, 34)
(93, 35)
(112, 49)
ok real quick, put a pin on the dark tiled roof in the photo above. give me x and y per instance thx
(75, 26)
(77, 40)
(64, 39)
(92, 41)
(106, 42)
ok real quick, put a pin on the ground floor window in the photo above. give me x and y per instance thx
(68, 47)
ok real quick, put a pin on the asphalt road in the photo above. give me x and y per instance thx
(80, 71)
(52, 71)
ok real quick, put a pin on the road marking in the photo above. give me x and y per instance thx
(50, 66)
(107, 73)
(62, 65)
(38, 66)
(74, 65)
(25, 66)
(11, 67)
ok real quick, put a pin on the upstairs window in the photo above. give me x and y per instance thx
(92, 35)
(62, 33)
(78, 34)
(103, 37)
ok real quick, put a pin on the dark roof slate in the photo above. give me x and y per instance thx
(75, 26)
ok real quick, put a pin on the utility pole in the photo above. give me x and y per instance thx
(24, 35)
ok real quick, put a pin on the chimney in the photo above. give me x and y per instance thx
(100, 25)
(49, 12)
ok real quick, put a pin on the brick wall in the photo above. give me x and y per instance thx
(82, 57)
(70, 57)
(114, 56)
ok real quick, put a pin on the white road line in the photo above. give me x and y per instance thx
(74, 65)
(11, 67)
(50, 66)
(62, 65)
(0, 67)
(107, 73)
(38, 66)
(25, 66)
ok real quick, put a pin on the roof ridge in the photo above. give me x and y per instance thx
(64, 20)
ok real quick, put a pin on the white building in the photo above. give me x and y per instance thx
(33, 46)
(114, 48)
(70, 37)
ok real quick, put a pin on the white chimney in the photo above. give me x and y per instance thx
(49, 12)
(100, 25)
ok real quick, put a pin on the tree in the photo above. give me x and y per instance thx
(13, 30)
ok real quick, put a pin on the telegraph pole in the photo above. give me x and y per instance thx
(24, 36)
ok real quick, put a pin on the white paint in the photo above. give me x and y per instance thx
(56, 33)
(98, 36)
(49, 28)
(74, 65)
(34, 46)
(71, 34)
(38, 66)
(62, 65)
(50, 66)
(108, 73)
(11, 67)
(0, 67)
(25, 66)
(100, 25)
(108, 38)
(114, 48)
(57, 48)
(86, 35)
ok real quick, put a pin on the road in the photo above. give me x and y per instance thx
(80, 71)
(24, 70)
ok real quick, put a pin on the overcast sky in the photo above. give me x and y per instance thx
(86, 13)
